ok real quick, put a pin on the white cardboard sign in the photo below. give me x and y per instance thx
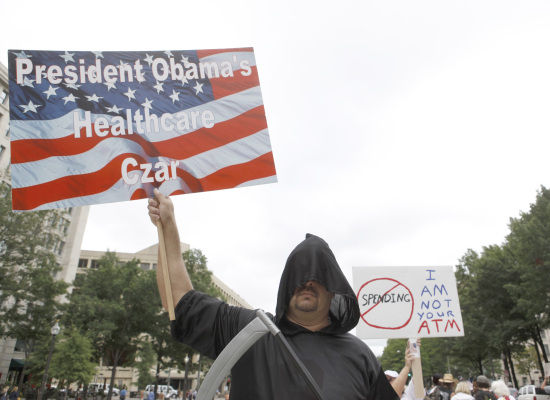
(407, 302)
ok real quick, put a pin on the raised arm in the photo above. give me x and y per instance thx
(161, 209)
(399, 383)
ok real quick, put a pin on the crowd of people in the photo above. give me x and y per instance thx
(9, 393)
(446, 387)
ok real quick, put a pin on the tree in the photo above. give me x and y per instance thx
(111, 305)
(169, 352)
(529, 241)
(30, 295)
(144, 360)
(72, 359)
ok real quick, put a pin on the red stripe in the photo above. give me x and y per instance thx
(71, 186)
(30, 197)
(231, 176)
(210, 52)
(180, 147)
(222, 87)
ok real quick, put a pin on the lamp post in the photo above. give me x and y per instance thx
(186, 361)
(54, 331)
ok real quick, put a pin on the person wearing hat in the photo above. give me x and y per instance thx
(447, 384)
(390, 375)
(481, 389)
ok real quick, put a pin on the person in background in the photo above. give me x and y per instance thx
(4, 393)
(436, 392)
(513, 391)
(481, 389)
(501, 391)
(399, 380)
(14, 394)
(446, 384)
(123, 393)
(462, 391)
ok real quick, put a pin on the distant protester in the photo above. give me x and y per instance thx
(462, 391)
(501, 391)
(481, 389)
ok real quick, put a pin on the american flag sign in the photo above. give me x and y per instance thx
(97, 127)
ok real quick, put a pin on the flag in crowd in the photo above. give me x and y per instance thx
(96, 127)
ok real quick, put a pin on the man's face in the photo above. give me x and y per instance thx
(310, 297)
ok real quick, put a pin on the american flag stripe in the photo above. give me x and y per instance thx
(52, 192)
(52, 168)
(32, 153)
(89, 162)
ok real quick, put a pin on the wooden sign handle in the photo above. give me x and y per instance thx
(416, 369)
(166, 276)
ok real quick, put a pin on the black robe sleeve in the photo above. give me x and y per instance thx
(206, 323)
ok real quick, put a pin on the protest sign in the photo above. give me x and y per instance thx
(96, 127)
(407, 302)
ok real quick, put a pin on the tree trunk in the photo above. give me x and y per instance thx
(157, 379)
(480, 366)
(512, 369)
(541, 344)
(541, 367)
(116, 358)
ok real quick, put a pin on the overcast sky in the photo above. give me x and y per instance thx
(403, 132)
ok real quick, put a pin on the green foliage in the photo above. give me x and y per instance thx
(72, 358)
(29, 291)
(504, 299)
(112, 305)
(201, 276)
(169, 352)
(144, 360)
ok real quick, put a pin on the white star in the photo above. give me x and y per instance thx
(130, 94)
(198, 88)
(94, 98)
(98, 54)
(22, 55)
(158, 86)
(168, 53)
(67, 57)
(114, 109)
(29, 107)
(110, 85)
(122, 65)
(147, 103)
(148, 59)
(28, 82)
(185, 60)
(50, 92)
(183, 80)
(68, 98)
(72, 85)
(174, 96)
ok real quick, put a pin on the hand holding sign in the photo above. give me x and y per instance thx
(172, 277)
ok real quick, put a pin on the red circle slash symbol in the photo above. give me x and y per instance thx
(385, 303)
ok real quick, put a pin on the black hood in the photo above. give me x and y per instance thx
(312, 260)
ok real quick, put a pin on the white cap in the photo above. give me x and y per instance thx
(391, 373)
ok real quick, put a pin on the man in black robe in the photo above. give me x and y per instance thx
(316, 308)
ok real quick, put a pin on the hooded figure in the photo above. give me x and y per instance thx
(312, 260)
(341, 364)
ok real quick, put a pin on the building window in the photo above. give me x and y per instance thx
(83, 263)
(61, 247)
(19, 345)
(154, 266)
(94, 264)
(2, 149)
(145, 266)
(3, 96)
